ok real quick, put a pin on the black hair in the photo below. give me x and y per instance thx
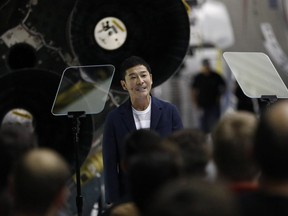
(206, 62)
(131, 62)
(271, 148)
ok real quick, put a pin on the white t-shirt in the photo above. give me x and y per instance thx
(142, 118)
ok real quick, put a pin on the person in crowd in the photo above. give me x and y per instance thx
(141, 110)
(38, 183)
(193, 197)
(233, 143)
(195, 150)
(207, 87)
(15, 140)
(149, 171)
(137, 142)
(271, 155)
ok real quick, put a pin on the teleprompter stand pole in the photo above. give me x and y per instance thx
(75, 129)
(269, 99)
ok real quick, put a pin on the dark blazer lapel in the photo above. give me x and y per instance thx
(156, 111)
(127, 116)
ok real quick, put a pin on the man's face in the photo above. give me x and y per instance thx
(206, 69)
(138, 81)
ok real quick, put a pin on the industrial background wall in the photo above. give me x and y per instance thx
(40, 39)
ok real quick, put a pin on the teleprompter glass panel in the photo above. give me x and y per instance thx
(83, 89)
(256, 74)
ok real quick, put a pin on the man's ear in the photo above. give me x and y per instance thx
(61, 197)
(123, 84)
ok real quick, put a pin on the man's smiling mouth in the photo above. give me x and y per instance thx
(141, 89)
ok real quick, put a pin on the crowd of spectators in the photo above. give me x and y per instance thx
(164, 176)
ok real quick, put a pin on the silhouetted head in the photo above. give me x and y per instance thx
(271, 143)
(194, 149)
(39, 180)
(233, 143)
(193, 197)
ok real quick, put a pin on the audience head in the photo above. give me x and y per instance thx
(148, 171)
(19, 117)
(139, 142)
(15, 140)
(193, 197)
(233, 141)
(39, 182)
(194, 149)
(271, 142)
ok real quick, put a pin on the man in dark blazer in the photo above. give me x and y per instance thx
(141, 110)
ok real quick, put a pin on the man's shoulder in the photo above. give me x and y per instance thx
(216, 74)
(220, 78)
(161, 103)
(158, 100)
(117, 110)
(197, 75)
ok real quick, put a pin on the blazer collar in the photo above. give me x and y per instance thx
(156, 111)
(127, 115)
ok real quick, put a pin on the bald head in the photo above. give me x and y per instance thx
(271, 143)
(38, 178)
(44, 162)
